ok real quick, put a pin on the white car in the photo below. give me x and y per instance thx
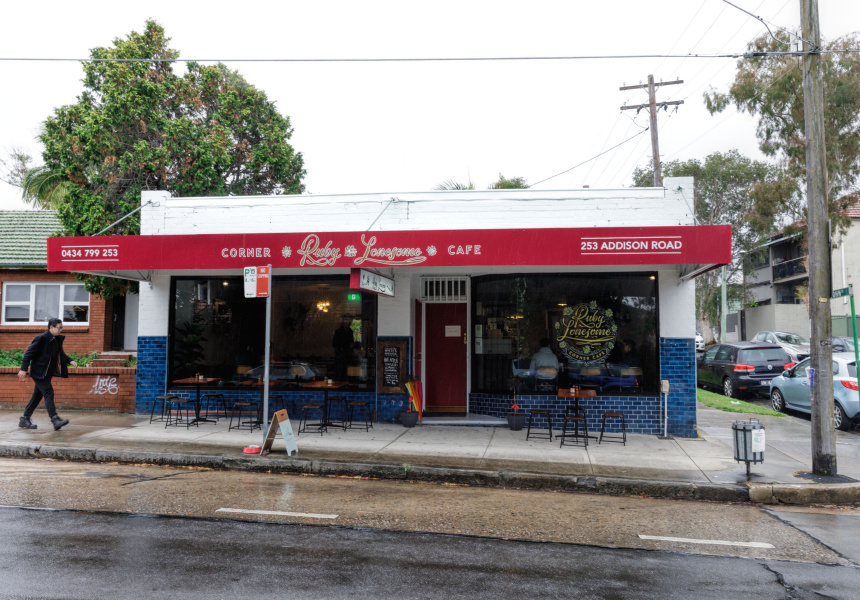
(700, 342)
(797, 346)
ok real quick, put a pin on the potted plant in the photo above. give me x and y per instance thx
(516, 420)
(409, 417)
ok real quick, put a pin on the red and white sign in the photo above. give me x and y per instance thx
(257, 281)
(702, 244)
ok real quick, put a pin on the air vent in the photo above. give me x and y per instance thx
(444, 289)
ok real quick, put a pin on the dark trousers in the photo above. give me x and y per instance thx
(45, 390)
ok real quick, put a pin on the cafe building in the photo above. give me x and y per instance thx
(477, 294)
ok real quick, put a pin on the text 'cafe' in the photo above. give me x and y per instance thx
(477, 294)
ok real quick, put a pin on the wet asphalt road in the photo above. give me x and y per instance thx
(80, 555)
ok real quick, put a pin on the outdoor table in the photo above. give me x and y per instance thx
(197, 382)
(325, 386)
(580, 393)
(259, 382)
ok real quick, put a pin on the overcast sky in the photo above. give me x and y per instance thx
(386, 127)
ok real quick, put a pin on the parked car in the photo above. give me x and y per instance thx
(843, 344)
(293, 371)
(741, 368)
(792, 390)
(700, 342)
(797, 346)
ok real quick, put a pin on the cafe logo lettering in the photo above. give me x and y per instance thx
(314, 254)
(586, 332)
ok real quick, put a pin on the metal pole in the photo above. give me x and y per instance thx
(265, 426)
(854, 325)
(723, 310)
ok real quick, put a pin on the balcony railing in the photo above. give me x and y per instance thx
(790, 268)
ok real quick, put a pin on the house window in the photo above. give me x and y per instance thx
(36, 303)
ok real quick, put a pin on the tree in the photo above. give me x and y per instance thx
(503, 183)
(771, 87)
(729, 188)
(139, 126)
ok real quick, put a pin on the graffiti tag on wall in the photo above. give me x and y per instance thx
(104, 385)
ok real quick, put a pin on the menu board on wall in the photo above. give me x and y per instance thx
(392, 365)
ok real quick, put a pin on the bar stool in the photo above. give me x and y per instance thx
(545, 413)
(163, 399)
(249, 408)
(339, 401)
(615, 438)
(303, 422)
(174, 412)
(574, 414)
(220, 404)
(351, 407)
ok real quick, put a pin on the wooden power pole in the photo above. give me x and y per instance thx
(653, 107)
(820, 283)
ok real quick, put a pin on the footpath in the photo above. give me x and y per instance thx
(701, 468)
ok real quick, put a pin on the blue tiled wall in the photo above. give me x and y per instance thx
(678, 365)
(643, 414)
(151, 371)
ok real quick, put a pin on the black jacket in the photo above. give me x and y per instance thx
(38, 356)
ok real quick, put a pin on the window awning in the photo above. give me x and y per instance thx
(133, 256)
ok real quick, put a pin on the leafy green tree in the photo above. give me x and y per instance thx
(771, 88)
(140, 126)
(503, 183)
(729, 188)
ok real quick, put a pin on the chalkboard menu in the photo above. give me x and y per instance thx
(392, 368)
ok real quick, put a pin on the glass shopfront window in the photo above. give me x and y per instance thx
(546, 331)
(320, 329)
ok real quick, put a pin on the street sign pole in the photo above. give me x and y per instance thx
(265, 426)
(854, 325)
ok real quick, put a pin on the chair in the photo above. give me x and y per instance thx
(304, 425)
(340, 402)
(613, 414)
(540, 412)
(357, 404)
(220, 404)
(163, 399)
(248, 408)
(174, 412)
(574, 414)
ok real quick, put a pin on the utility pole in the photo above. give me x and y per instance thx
(820, 282)
(653, 107)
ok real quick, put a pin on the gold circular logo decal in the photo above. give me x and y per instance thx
(586, 333)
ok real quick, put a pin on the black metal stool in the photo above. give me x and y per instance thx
(340, 402)
(368, 422)
(249, 409)
(303, 422)
(544, 412)
(574, 414)
(174, 412)
(614, 415)
(220, 404)
(163, 399)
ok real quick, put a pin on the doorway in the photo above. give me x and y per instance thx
(445, 362)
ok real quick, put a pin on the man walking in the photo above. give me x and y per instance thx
(45, 359)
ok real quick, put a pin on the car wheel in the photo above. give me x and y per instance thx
(777, 402)
(840, 420)
(728, 388)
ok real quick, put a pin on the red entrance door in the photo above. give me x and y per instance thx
(445, 345)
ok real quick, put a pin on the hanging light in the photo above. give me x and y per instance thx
(323, 305)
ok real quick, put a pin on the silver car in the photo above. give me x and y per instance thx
(795, 345)
(792, 390)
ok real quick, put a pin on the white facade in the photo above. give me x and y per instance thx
(428, 211)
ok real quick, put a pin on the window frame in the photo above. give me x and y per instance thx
(31, 303)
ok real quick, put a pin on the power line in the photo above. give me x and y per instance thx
(589, 160)
(428, 59)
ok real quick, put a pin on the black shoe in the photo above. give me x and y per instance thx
(58, 422)
(24, 423)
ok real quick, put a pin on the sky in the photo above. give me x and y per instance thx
(405, 127)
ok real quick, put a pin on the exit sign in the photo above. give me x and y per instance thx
(353, 297)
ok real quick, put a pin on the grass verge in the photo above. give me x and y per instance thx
(720, 402)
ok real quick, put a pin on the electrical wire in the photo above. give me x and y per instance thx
(587, 161)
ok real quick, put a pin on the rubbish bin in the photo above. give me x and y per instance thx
(749, 442)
